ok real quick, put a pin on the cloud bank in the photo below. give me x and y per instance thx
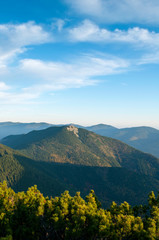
(87, 31)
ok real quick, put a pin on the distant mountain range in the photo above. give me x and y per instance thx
(60, 158)
(13, 128)
(145, 139)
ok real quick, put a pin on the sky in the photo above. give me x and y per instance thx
(80, 61)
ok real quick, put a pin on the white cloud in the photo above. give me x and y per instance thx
(47, 77)
(88, 31)
(12, 96)
(140, 38)
(23, 34)
(149, 59)
(3, 86)
(81, 72)
(91, 7)
(14, 39)
(123, 11)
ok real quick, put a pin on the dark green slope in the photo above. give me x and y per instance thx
(21, 172)
(10, 168)
(110, 184)
(69, 144)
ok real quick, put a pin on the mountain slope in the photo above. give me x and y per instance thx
(21, 172)
(110, 184)
(69, 144)
(145, 139)
(10, 168)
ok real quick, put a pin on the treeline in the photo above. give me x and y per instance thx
(31, 216)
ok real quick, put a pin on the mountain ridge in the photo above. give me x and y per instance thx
(57, 144)
(143, 138)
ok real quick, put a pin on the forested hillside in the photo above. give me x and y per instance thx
(145, 139)
(73, 145)
(110, 184)
(21, 172)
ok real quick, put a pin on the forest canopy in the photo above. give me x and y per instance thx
(29, 215)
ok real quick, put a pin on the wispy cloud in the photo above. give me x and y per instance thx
(152, 58)
(14, 39)
(80, 72)
(89, 7)
(20, 98)
(123, 11)
(13, 95)
(47, 77)
(4, 86)
(88, 31)
(58, 23)
(30, 78)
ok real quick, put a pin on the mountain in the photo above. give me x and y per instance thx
(145, 139)
(110, 184)
(11, 128)
(21, 172)
(67, 157)
(69, 144)
(10, 168)
(101, 128)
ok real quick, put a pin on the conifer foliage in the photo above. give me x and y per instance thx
(31, 216)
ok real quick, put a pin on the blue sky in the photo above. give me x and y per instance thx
(83, 61)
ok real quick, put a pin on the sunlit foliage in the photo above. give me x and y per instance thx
(31, 216)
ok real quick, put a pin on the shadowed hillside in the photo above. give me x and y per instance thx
(110, 184)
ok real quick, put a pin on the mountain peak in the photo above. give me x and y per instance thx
(73, 129)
